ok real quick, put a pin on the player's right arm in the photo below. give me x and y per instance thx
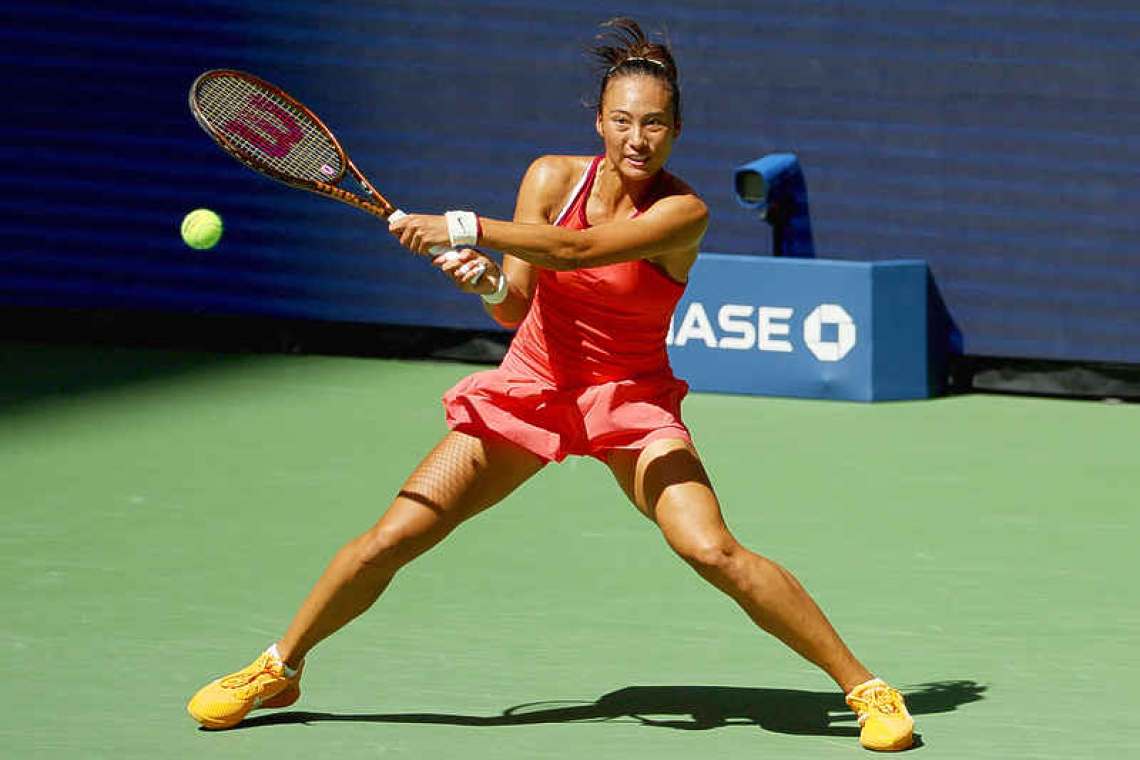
(541, 195)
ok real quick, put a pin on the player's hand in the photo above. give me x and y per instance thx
(470, 270)
(421, 232)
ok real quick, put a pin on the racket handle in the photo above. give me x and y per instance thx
(435, 250)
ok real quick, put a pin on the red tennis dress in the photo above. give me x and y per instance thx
(587, 371)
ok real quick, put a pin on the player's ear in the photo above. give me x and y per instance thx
(598, 123)
(677, 128)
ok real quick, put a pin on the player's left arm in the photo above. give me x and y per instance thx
(672, 227)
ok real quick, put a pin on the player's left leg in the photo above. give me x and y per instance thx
(669, 485)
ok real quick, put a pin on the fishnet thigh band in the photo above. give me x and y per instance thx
(464, 475)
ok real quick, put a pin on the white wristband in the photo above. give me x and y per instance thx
(462, 228)
(500, 293)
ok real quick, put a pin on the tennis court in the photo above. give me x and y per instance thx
(166, 511)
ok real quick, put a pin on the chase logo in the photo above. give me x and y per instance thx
(828, 331)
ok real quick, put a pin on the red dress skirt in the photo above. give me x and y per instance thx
(554, 422)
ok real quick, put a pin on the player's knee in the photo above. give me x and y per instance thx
(712, 556)
(389, 547)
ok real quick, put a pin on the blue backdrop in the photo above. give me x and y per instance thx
(997, 141)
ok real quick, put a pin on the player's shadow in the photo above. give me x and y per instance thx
(786, 711)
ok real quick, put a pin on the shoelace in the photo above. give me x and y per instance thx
(248, 677)
(881, 699)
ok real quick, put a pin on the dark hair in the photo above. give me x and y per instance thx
(624, 50)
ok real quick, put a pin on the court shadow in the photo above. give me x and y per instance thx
(686, 708)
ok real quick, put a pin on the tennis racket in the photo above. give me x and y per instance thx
(275, 134)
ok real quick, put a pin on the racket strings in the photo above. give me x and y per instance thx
(269, 129)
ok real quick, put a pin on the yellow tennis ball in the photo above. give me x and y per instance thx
(201, 229)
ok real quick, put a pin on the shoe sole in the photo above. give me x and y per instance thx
(898, 746)
(286, 697)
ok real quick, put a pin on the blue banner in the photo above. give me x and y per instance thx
(996, 141)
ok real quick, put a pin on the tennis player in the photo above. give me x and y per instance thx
(593, 265)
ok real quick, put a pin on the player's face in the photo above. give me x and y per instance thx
(637, 125)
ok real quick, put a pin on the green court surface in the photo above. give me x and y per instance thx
(165, 513)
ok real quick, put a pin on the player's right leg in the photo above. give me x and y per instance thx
(460, 478)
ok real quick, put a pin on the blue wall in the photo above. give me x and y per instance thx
(997, 140)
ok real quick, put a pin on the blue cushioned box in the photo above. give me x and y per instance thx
(808, 328)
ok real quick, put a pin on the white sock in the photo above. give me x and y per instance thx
(288, 671)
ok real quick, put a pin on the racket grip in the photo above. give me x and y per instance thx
(435, 250)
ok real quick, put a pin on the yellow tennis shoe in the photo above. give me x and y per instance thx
(263, 684)
(887, 726)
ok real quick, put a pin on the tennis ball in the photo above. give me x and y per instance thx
(201, 229)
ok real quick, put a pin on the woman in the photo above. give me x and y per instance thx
(594, 263)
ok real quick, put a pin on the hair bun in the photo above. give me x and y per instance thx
(624, 42)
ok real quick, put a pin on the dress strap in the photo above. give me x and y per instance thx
(582, 188)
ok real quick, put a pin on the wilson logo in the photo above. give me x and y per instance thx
(275, 138)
